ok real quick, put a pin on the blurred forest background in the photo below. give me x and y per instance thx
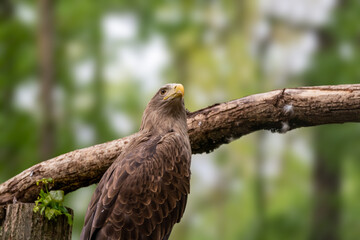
(77, 73)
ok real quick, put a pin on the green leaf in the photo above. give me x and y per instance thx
(57, 196)
(36, 208)
(42, 210)
(51, 202)
(47, 200)
(63, 209)
(69, 218)
(51, 213)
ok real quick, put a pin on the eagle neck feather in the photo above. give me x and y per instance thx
(164, 119)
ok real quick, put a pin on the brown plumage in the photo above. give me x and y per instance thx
(144, 192)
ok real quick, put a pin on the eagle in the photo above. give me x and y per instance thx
(144, 192)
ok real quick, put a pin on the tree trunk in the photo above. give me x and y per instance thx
(259, 188)
(46, 56)
(327, 185)
(21, 223)
(98, 114)
(326, 209)
(8, 52)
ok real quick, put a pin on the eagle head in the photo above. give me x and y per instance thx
(165, 109)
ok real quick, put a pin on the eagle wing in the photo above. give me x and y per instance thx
(144, 193)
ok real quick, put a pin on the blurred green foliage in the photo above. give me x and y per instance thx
(258, 187)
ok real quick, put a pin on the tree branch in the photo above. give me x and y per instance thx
(278, 111)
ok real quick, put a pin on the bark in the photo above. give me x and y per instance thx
(278, 111)
(22, 223)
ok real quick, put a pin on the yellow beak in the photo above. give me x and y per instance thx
(176, 90)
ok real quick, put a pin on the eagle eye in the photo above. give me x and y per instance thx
(162, 92)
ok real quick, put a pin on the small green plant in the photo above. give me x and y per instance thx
(50, 203)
